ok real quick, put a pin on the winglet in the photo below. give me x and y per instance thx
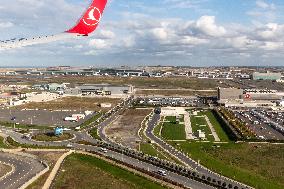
(91, 18)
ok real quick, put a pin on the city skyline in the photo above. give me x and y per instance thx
(164, 32)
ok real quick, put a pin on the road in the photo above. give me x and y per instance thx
(128, 159)
(112, 154)
(25, 169)
(182, 157)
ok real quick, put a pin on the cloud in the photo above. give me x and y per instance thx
(264, 5)
(263, 11)
(99, 44)
(6, 24)
(207, 25)
(141, 37)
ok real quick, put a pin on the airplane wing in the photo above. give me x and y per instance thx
(86, 25)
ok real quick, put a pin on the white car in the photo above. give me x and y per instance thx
(69, 145)
(162, 172)
(104, 150)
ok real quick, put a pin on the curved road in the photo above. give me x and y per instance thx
(184, 158)
(25, 168)
(84, 136)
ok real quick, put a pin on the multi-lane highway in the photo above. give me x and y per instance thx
(115, 155)
(24, 169)
(129, 158)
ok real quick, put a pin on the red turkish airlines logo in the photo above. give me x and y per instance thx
(94, 17)
(247, 96)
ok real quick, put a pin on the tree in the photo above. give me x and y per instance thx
(209, 179)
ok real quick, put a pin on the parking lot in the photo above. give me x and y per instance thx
(259, 124)
(169, 101)
(39, 117)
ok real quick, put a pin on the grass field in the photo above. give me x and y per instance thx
(51, 137)
(2, 144)
(86, 172)
(216, 124)
(199, 123)
(148, 148)
(157, 129)
(260, 166)
(22, 126)
(91, 120)
(171, 131)
(94, 133)
(171, 119)
(72, 103)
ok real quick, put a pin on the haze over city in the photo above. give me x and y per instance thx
(162, 32)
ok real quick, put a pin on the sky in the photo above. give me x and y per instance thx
(149, 32)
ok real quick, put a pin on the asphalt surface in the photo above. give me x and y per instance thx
(40, 117)
(191, 163)
(262, 129)
(25, 169)
(121, 157)
(83, 136)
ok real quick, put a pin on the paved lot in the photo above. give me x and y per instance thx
(25, 169)
(39, 117)
(260, 126)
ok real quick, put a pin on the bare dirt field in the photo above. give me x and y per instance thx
(175, 92)
(71, 103)
(4, 169)
(125, 129)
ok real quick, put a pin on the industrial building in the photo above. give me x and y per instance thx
(100, 89)
(266, 76)
(230, 93)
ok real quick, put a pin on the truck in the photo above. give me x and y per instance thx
(72, 119)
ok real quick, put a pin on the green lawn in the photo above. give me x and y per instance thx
(260, 166)
(91, 121)
(51, 137)
(86, 172)
(171, 131)
(157, 129)
(94, 133)
(171, 119)
(2, 144)
(219, 130)
(23, 126)
(147, 148)
(199, 123)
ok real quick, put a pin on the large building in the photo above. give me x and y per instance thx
(230, 93)
(266, 76)
(102, 89)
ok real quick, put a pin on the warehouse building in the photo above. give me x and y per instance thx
(100, 89)
(230, 93)
(266, 76)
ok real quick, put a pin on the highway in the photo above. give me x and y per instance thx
(25, 168)
(182, 157)
(128, 158)
(112, 154)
